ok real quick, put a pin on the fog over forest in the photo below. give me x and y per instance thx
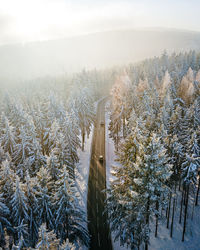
(97, 50)
(99, 125)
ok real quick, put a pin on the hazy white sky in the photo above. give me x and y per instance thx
(32, 20)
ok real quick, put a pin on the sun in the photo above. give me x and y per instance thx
(41, 20)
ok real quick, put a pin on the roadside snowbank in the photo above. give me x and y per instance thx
(83, 167)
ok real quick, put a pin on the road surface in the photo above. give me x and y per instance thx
(97, 225)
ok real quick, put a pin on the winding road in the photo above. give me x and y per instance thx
(97, 225)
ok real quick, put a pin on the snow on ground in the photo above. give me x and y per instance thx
(83, 170)
(163, 241)
(192, 236)
(82, 173)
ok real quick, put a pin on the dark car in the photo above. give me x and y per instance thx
(101, 158)
(102, 123)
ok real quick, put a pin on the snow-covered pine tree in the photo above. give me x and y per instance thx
(22, 152)
(121, 202)
(21, 243)
(42, 120)
(3, 156)
(44, 197)
(68, 142)
(151, 179)
(115, 127)
(70, 218)
(4, 220)
(166, 84)
(33, 209)
(140, 188)
(35, 157)
(47, 239)
(186, 89)
(117, 110)
(67, 246)
(71, 132)
(8, 137)
(53, 164)
(81, 102)
(197, 114)
(54, 133)
(19, 212)
(7, 179)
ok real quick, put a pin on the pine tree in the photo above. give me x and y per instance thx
(186, 89)
(53, 165)
(120, 107)
(70, 218)
(67, 246)
(4, 220)
(140, 188)
(35, 157)
(67, 143)
(33, 209)
(43, 195)
(166, 83)
(19, 212)
(4, 156)
(122, 203)
(8, 138)
(71, 132)
(81, 103)
(47, 239)
(7, 179)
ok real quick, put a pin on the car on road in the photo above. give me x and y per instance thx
(102, 123)
(101, 158)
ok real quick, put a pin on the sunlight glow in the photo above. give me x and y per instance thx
(30, 20)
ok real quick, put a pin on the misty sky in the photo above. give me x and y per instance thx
(33, 20)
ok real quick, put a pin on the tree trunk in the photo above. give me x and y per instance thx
(193, 209)
(197, 194)
(172, 223)
(147, 223)
(179, 185)
(83, 140)
(123, 122)
(117, 137)
(157, 209)
(67, 226)
(169, 208)
(184, 197)
(180, 217)
(166, 212)
(185, 216)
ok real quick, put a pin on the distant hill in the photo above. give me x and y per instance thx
(98, 50)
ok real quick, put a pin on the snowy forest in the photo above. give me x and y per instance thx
(41, 130)
(154, 122)
(155, 119)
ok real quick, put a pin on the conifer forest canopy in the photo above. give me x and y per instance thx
(154, 121)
